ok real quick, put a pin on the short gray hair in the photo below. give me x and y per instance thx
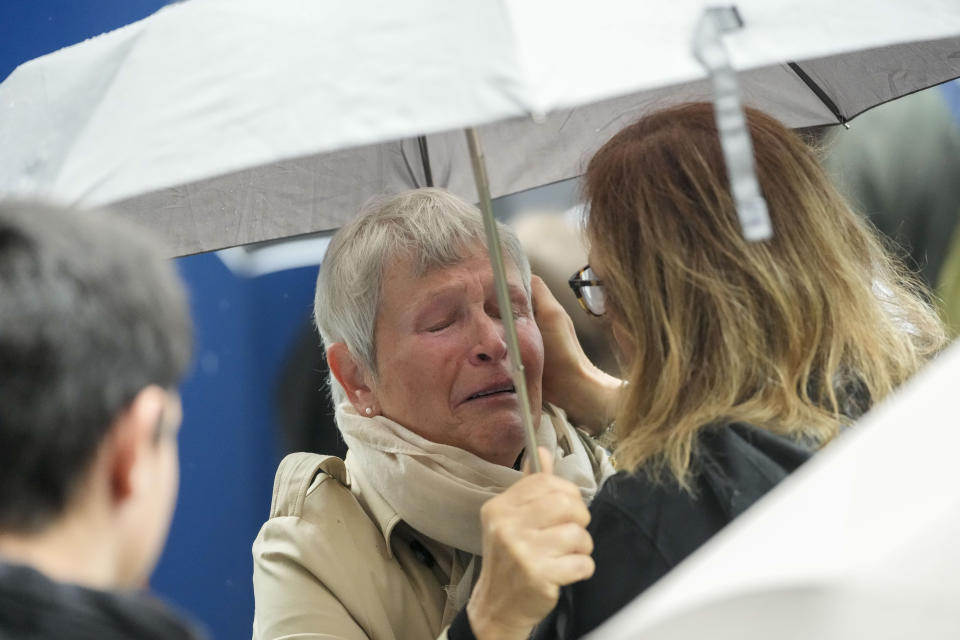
(432, 226)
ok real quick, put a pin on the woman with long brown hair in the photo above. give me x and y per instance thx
(740, 358)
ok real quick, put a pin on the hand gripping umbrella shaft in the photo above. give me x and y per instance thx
(503, 295)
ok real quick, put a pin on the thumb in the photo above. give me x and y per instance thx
(546, 462)
(537, 289)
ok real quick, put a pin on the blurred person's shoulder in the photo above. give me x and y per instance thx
(36, 607)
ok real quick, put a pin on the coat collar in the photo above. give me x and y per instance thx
(372, 502)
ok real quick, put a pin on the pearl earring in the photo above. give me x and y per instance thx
(368, 411)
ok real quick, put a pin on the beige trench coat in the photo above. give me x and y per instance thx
(332, 563)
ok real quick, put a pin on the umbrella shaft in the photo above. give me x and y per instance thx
(503, 295)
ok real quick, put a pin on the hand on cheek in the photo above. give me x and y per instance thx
(570, 380)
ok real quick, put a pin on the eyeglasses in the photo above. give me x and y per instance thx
(589, 291)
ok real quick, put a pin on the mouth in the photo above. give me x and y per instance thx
(498, 389)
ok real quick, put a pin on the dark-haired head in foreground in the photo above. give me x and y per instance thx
(94, 338)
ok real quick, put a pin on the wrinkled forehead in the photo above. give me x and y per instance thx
(419, 263)
(413, 267)
(413, 277)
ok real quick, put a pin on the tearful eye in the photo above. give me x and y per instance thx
(516, 313)
(439, 326)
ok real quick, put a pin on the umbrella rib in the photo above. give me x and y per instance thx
(425, 159)
(819, 92)
(406, 163)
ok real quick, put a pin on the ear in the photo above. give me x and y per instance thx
(133, 435)
(353, 377)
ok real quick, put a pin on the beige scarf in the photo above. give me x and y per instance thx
(438, 489)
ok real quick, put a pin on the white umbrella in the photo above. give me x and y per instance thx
(222, 122)
(860, 542)
(216, 121)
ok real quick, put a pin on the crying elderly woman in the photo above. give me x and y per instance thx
(387, 544)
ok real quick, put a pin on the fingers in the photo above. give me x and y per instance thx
(541, 292)
(550, 542)
(567, 569)
(538, 502)
(534, 541)
(564, 539)
(570, 380)
(546, 460)
(550, 510)
(556, 556)
(546, 308)
(539, 488)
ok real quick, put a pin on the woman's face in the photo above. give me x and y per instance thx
(442, 365)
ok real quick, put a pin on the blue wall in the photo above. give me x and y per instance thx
(228, 444)
(244, 328)
(31, 28)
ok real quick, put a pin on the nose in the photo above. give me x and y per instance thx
(489, 345)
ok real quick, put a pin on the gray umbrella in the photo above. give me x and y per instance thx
(319, 192)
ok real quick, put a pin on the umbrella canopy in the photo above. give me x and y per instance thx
(222, 122)
(860, 542)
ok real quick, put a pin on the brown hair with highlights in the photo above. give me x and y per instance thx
(798, 335)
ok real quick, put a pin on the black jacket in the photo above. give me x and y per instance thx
(641, 530)
(33, 607)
